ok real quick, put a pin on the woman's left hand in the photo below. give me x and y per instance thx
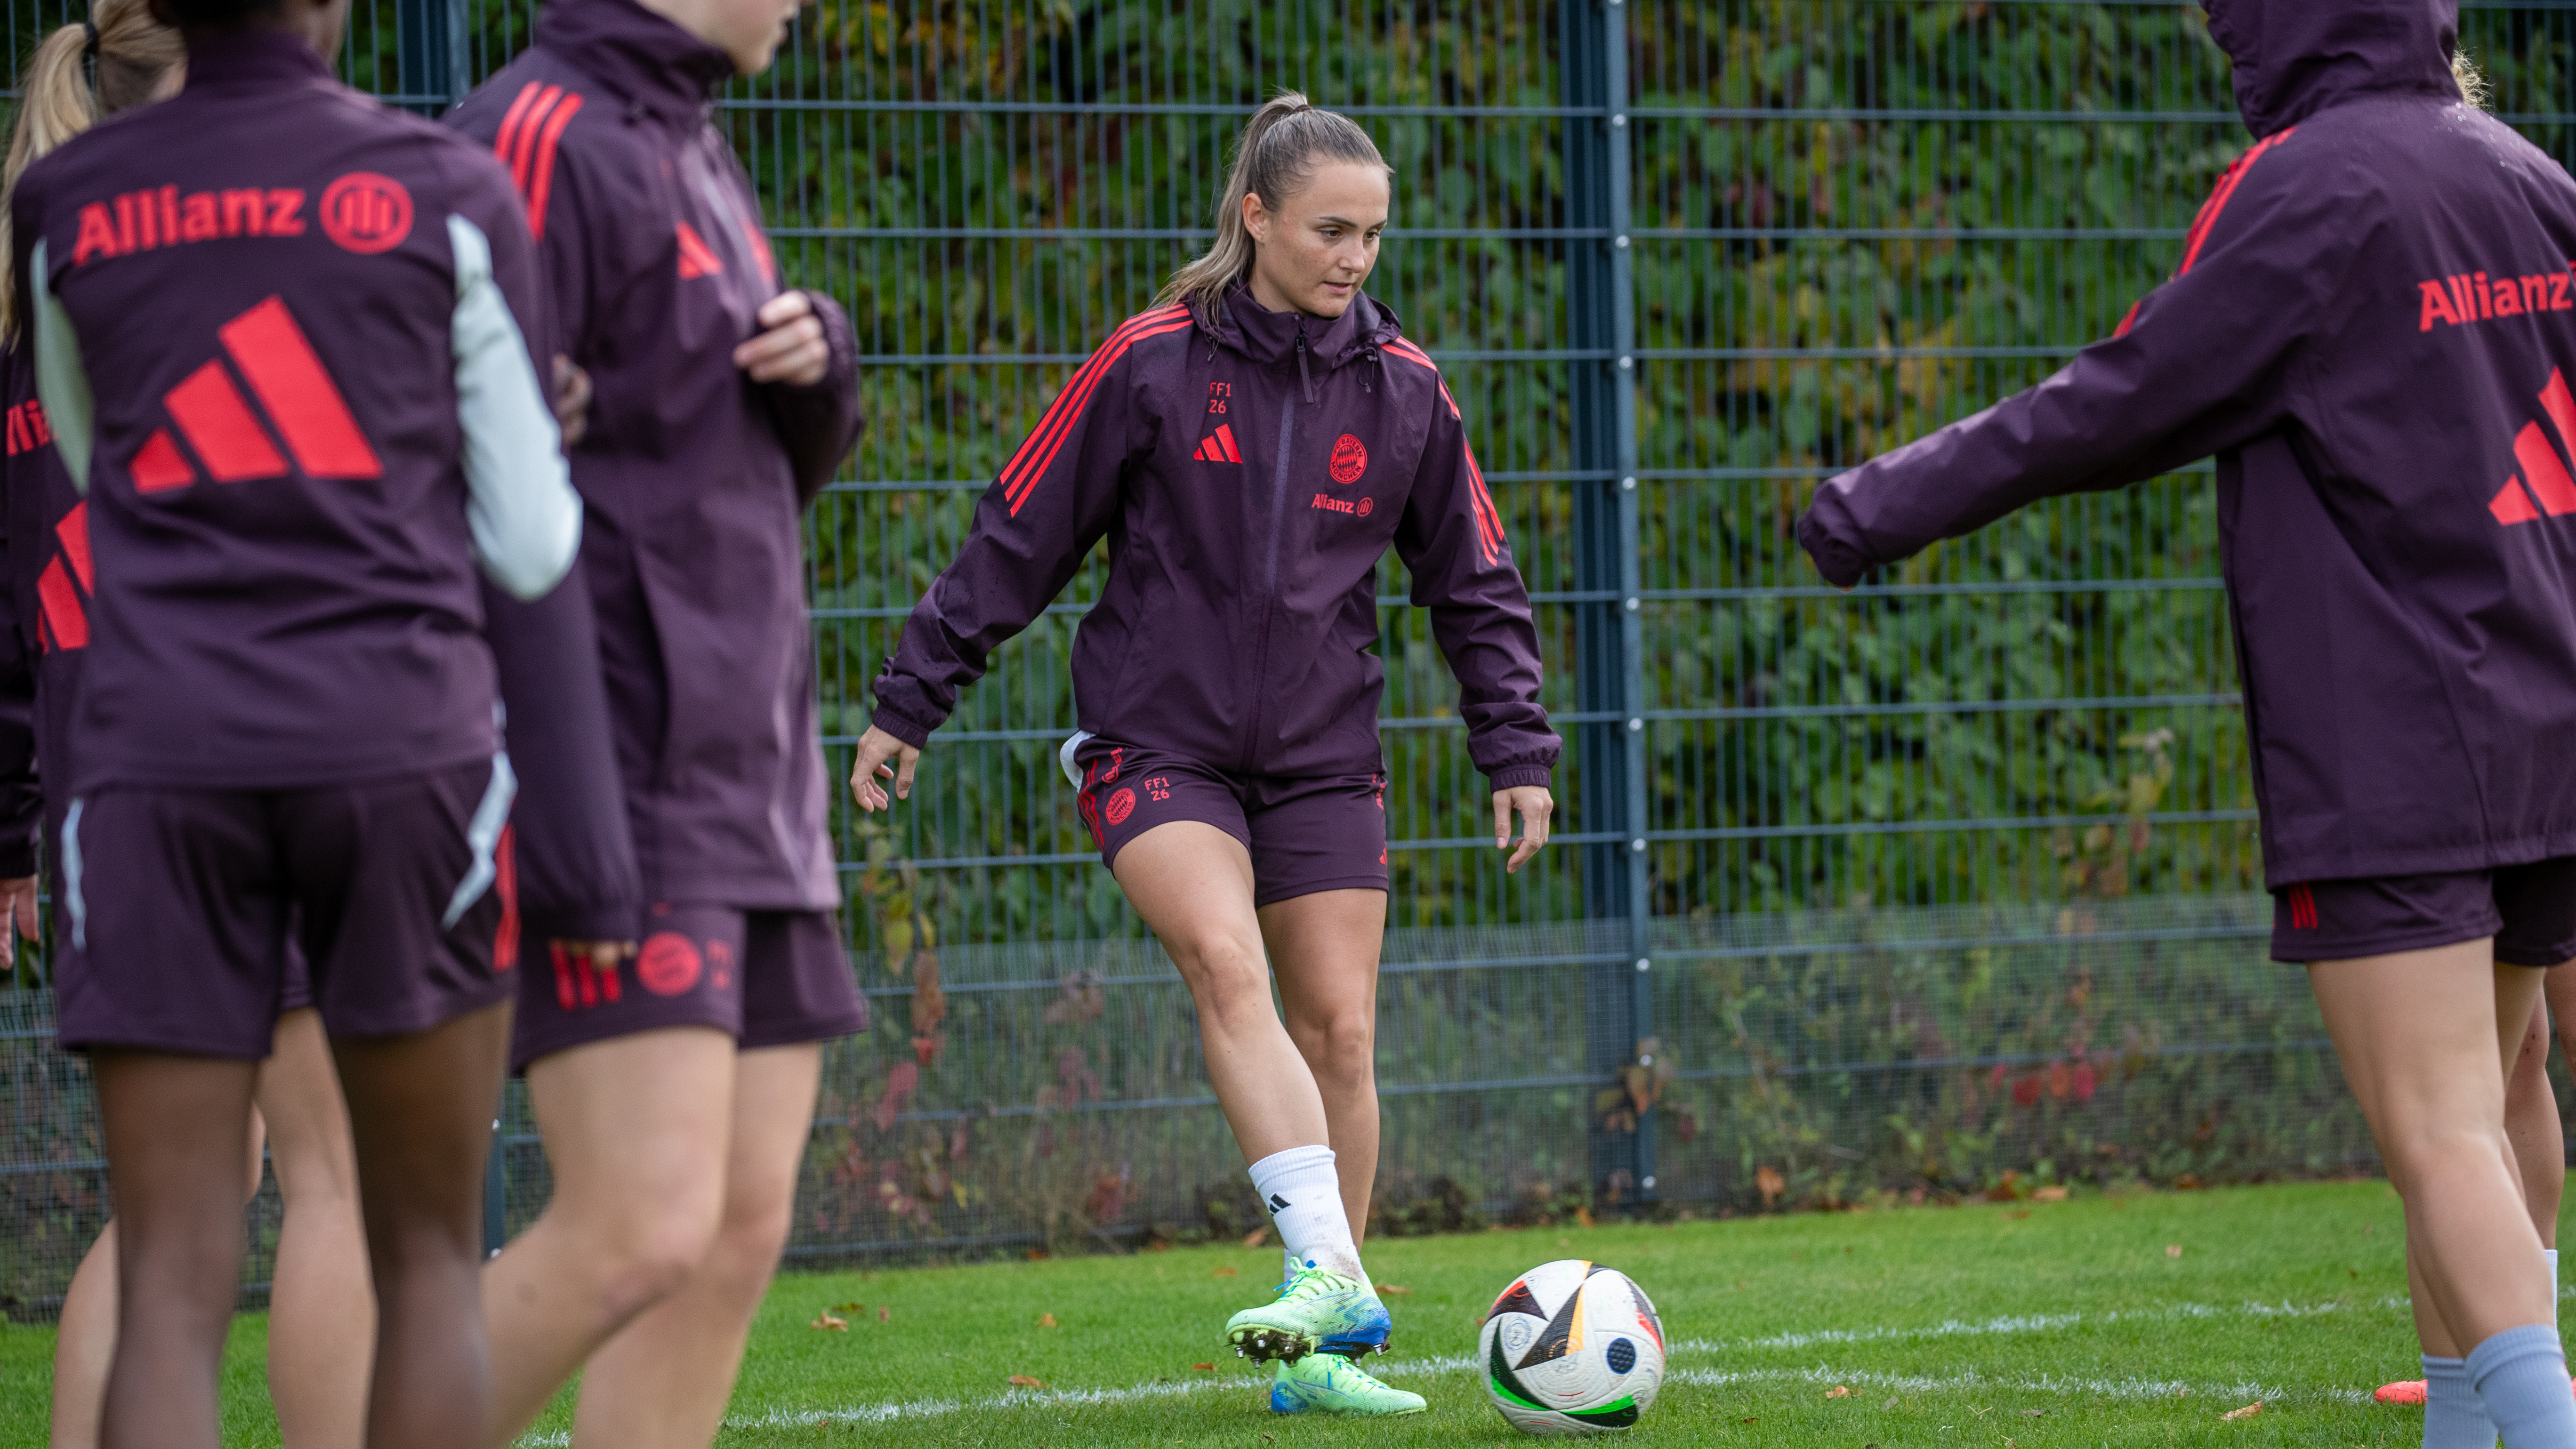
(1535, 805)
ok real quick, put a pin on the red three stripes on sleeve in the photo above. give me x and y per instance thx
(1020, 476)
(526, 144)
(1489, 519)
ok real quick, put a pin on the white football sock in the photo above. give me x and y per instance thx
(1304, 1199)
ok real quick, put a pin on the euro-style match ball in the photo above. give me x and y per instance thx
(1572, 1348)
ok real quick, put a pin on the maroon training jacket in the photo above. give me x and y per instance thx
(274, 327)
(694, 477)
(1249, 470)
(2372, 327)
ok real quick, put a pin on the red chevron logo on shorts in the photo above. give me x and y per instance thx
(1218, 447)
(2542, 472)
(218, 425)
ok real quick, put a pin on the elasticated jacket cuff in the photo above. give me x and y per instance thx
(1512, 777)
(901, 728)
(1840, 563)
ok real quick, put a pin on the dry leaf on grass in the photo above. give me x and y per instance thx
(2055, 1192)
(1225, 1272)
(2248, 1412)
(849, 1308)
(1046, 1320)
(1256, 1237)
(1023, 1381)
(828, 1321)
(1397, 1289)
(1838, 1391)
(885, 1315)
(2173, 1250)
(1205, 1368)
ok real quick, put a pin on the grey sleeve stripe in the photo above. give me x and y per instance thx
(483, 837)
(525, 517)
(61, 382)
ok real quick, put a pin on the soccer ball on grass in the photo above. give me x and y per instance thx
(1572, 1348)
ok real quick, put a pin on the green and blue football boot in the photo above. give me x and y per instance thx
(1328, 1383)
(1317, 1310)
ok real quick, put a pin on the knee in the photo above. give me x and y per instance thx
(1228, 977)
(653, 1254)
(747, 1248)
(1341, 1048)
(2430, 1154)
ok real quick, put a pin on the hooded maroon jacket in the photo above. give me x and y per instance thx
(44, 532)
(274, 326)
(2372, 327)
(1249, 470)
(694, 476)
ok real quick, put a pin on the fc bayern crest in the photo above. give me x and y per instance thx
(1350, 459)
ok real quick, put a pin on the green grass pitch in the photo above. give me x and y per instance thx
(2010, 1326)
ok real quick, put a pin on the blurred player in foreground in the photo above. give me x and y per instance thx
(321, 1316)
(1251, 447)
(675, 1092)
(2371, 328)
(275, 339)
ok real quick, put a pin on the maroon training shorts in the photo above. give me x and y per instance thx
(764, 978)
(2529, 909)
(1305, 834)
(181, 903)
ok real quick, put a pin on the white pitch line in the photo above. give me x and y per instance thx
(2017, 1323)
(2131, 1388)
(2126, 1388)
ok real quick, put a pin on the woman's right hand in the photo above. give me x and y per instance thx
(880, 757)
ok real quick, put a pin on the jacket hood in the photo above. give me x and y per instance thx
(648, 61)
(1269, 337)
(2294, 58)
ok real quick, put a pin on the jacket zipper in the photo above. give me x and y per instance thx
(1270, 570)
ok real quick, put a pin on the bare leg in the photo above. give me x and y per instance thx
(177, 1128)
(2531, 1125)
(1193, 885)
(85, 1345)
(85, 1340)
(636, 1130)
(420, 1109)
(664, 1380)
(1324, 948)
(321, 1308)
(2408, 1026)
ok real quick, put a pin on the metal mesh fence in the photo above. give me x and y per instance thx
(1889, 892)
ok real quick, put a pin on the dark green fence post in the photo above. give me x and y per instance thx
(496, 1196)
(1610, 743)
(432, 68)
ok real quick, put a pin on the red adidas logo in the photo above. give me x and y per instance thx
(61, 622)
(1218, 447)
(226, 437)
(2541, 471)
(697, 259)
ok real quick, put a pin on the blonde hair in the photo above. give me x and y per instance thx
(65, 92)
(1273, 160)
(2473, 86)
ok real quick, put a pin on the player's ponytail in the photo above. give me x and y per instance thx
(79, 73)
(1277, 153)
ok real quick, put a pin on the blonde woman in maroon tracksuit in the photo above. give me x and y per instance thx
(1251, 447)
